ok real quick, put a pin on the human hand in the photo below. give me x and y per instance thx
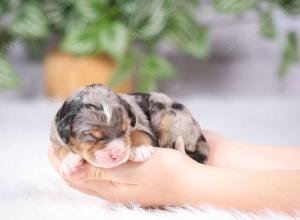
(167, 178)
(172, 178)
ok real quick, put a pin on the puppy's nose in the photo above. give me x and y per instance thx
(117, 152)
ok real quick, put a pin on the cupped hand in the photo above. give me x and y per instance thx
(170, 177)
(164, 179)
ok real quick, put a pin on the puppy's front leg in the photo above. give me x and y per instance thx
(70, 161)
(141, 146)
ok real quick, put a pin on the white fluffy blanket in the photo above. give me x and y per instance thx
(30, 189)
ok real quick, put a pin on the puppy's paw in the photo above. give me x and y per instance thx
(70, 163)
(141, 153)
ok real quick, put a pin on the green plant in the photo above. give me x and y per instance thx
(129, 31)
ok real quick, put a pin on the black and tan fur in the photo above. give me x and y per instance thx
(95, 115)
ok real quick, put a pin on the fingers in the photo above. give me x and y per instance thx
(81, 188)
(90, 180)
(101, 189)
(108, 190)
(130, 173)
(90, 172)
(87, 171)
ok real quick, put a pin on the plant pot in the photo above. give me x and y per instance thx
(65, 73)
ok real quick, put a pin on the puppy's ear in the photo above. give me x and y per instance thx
(65, 117)
(129, 111)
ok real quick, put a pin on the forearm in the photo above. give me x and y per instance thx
(248, 190)
(237, 155)
(250, 156)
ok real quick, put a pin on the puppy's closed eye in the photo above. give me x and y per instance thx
(93, 135)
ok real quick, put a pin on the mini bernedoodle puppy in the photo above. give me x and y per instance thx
(107, 129)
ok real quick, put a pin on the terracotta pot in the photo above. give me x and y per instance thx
(65, 73)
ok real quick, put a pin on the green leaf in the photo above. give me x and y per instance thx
(154, 68)
(146, 18)
(189, 36)
(267, 27)
(57, 12)
(147, 84)
(91, 10)
(234, 6)
(290, 53)
(8, 6)
(157, 67)
(3, 7)
(81, 40)
(108, 38)
(31, 23)
(113, 39)
(291, 7)
(155, 21)
(5, 40)
(124, 69)
(8, 77)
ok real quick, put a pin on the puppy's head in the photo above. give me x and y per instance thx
(95, 123)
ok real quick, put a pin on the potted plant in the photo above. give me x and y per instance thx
(104, 41)
(114, 42)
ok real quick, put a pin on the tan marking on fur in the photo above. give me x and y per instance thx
(124, 125)
(126, 139)
(97, 132)
(74, 142)
(164, 130)
(61, 153)
(139, 138)
(80, 148)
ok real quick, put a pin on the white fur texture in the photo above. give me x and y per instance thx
(31, 189)
(70, 163)
(141, 153)
(116, 143)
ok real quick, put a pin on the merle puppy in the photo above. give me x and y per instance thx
(107, 129)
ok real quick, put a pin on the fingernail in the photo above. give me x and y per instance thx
(78, 175)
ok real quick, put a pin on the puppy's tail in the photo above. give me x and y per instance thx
(200, 154)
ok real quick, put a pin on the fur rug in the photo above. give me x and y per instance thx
(30, 189)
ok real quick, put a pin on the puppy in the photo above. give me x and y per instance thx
(174, 125)
(107, 129)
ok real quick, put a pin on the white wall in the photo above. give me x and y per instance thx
(242, 62)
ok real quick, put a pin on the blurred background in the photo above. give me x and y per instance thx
(234, 63)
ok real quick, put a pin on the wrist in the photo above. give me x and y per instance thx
(189, 189)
